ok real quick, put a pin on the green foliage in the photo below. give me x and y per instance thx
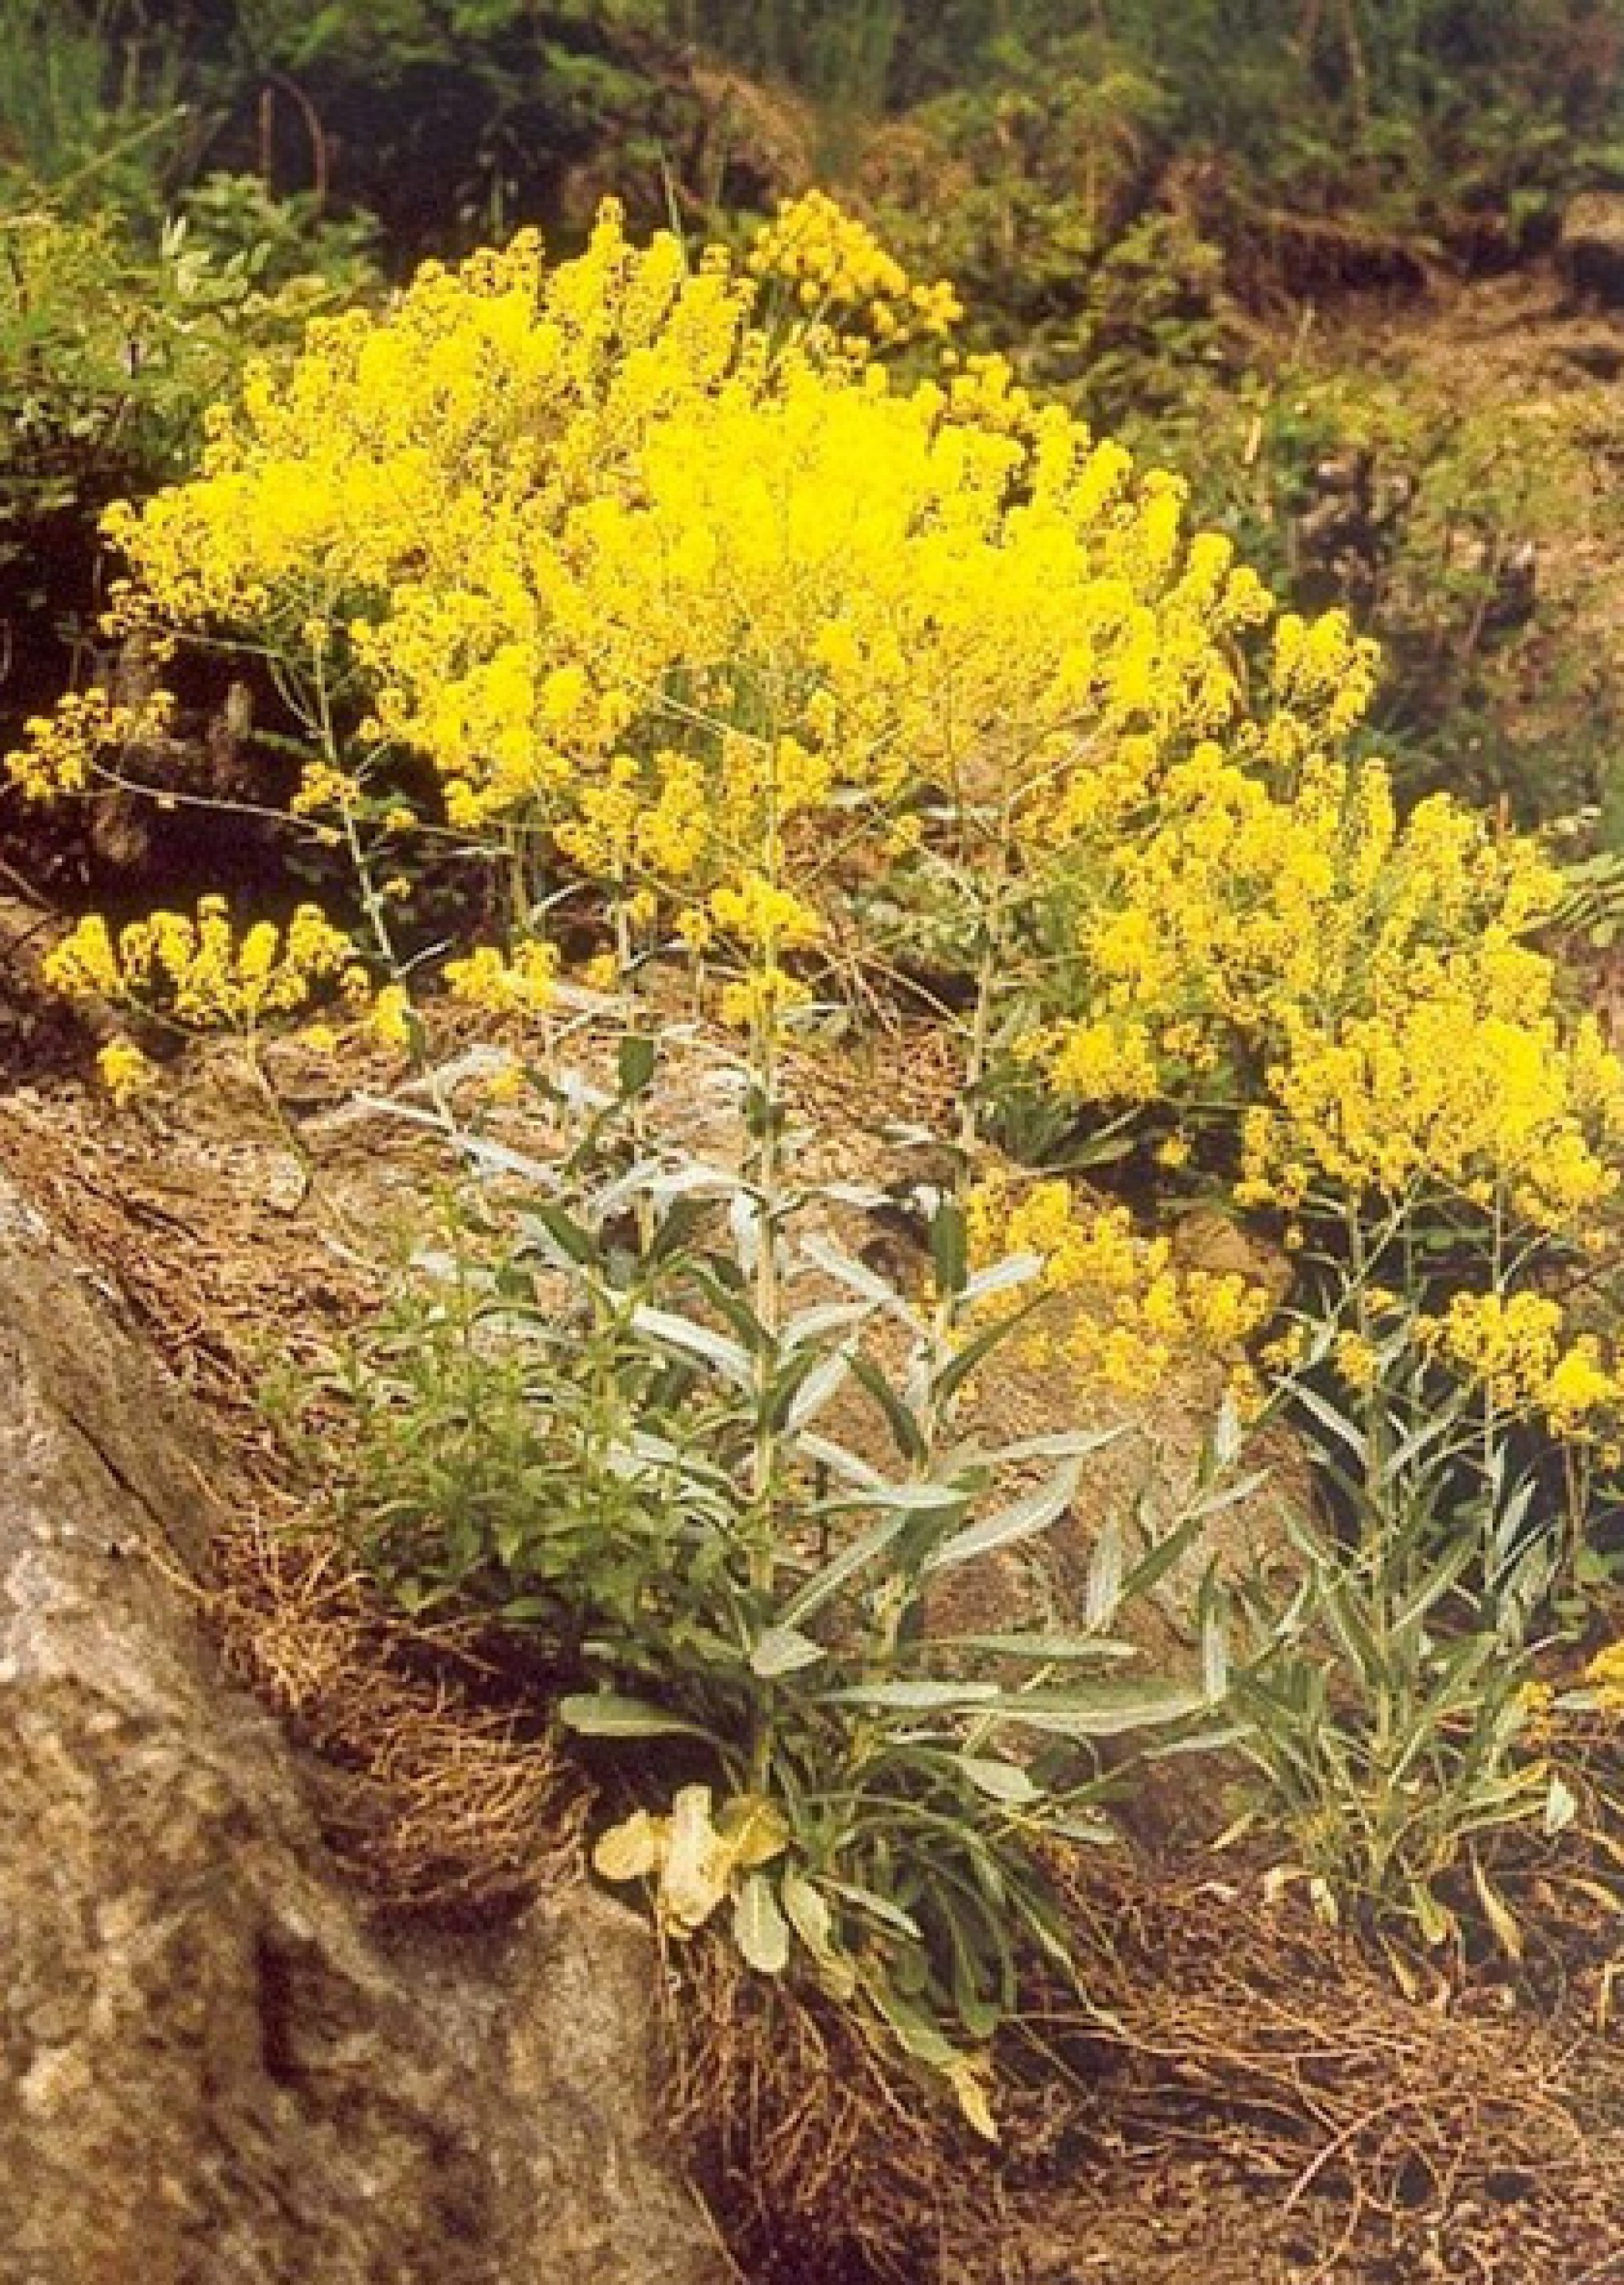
(710, 1462)
(1386, 1699)
(109, 355)
(92, 108)
(1385, 1724)
(1447, 519)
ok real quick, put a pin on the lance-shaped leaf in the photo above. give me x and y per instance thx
(1024, 1519)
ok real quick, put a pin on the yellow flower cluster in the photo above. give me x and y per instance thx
(839, 273)
(125, 1072)
(1361, 982)
(640, 587)
(197, 971)
(729, 619)
(521, 985)
(1604, 1678)
(62, 752)
(1517, 1345)
(1125, 1313)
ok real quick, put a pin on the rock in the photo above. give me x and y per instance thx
(215, 2072)
(1590, 249)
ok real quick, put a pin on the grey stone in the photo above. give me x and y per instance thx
(212, 2069)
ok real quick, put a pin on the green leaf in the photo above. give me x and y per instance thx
(1561, 1806)
(1041, 1649)
(818, 1388)
(784, 1650)
(950, 1246)
(853, 1558)
(809, 1915)
(635, 1064)
(1024, 1519)
(975, 1353)
(607, 1714)
(1002, 1277)
(690, 1339)
(904, 1428)
(921, 1697)
(1103, 1710)
(1507, 1928)
(1103, 1591)
(882, 1908)
(560, 1231)
(1000, 1781)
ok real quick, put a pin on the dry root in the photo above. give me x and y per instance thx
(435, 1801)
(827, 2161)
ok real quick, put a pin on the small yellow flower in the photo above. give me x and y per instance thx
(601, 972)
(389, 1018)
(506, 1083)
(125, 1072)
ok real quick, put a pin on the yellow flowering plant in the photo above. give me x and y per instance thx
(647, 585)
(197, 972)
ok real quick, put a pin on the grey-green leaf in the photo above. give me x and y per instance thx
(759, 1927)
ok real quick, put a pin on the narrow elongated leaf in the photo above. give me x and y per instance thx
(975, 1353)
(558, 1232)
(1336, 1423)
(1104, 1591)
(1561, 1807)
(883, 1909)
(1062, 1444)
(1022, 1519)
(817, 1323)
(1041, 1649)
(850, 1465)
(920, 1697)
(695, 1340)
(808, 1912)
(607, 1714)
(855, 1276)
(904, 1428)
(759, 1927)
(922, 1498)
(1001, 1781)
(820, 1386)
(635, 1064)
(1231, 1495)
(1015, 1269)
(1101, 1709)
(950, 1246)
(842, 1567)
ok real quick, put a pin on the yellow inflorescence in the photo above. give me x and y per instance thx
(63, 753)
(520, 985)
(839, 271)
(696, 598)
(197, 970)
(1363, 983)
(641, 588)
(1518, 1346)
(125, 1072)
(1131, 1315)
